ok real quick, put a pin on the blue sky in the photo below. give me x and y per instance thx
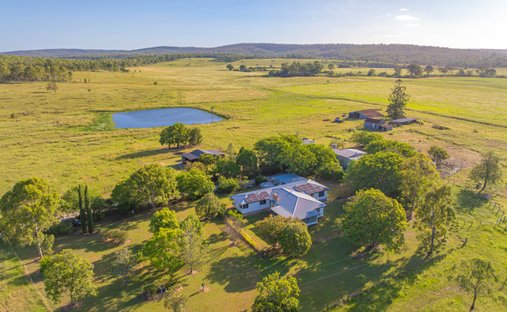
(132, 24)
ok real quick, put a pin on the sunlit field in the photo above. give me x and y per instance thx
(68, 137)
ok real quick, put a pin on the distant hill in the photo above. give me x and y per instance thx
(385, 53)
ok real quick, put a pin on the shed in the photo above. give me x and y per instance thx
(347, 155)
(366, 113)
(196, 154)
(402, 121)
(377, 125)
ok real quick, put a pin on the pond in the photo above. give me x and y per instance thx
(150, 118)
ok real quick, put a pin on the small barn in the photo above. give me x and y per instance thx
(402, 121)
(347, 155)
(365, 114)
(196, 154)
(374, 124)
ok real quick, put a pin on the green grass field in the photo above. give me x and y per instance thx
(68, 137)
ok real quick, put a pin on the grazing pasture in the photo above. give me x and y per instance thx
(68, 137)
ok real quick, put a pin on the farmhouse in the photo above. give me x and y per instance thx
(196, 154)
(347, 155)
(364, 114)
(300, 198)
(377, 125)
(402, 121)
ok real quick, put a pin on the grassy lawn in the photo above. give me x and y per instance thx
(68, 137)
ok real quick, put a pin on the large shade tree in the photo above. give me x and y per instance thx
(209, 206)
(277, 294)
(381, 170)
(163, 250)
(67, 272)
(27, 212)
(149, 186)
(163, 218)
(372, 218)
(194, 183)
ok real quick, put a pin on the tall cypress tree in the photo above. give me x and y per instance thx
(397, 101)
(82, 211)
(89, 212)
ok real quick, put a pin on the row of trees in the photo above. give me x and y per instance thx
(22, 68)
(298, 69)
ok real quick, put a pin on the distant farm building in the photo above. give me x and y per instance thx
(308, 141)
(347, 155)
(373, 124)
(366, 113)
(402, 121)
(196, 154)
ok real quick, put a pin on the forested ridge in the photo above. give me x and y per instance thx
(384, 53)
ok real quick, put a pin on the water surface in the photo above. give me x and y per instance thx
(150, 118)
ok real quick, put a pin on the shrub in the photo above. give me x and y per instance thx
(62, 228)
(114, 237)
(259, 179)
(227, 185)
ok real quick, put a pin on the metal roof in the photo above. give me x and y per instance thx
(349, 152)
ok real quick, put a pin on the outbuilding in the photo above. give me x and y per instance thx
(374, 124)
(196, 154)
(402, 121)
(366, 113)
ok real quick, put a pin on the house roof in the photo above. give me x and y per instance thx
(375, 121)
(403, 120)
(304, 187)
(370, 113)
(310, 188)
(349, 153)
(293, 204)
(286, 178)
(195, 154)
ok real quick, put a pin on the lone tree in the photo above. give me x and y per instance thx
(276, 293)
(209, 206)
(397, 101)
(194, 249)
(67, 272)
(150, 186)
(164, 218)
(476, 275)
(194, 136)
(437, 213)
(428, 70)
(372, 218)
(415, 70)
(488, 171)
(229, 67)
(438, 155)
(176, 134)
(27, 212)
(418, 175)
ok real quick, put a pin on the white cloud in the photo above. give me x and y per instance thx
(403, 9)
(406, 18)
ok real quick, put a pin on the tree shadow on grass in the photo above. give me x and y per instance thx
(468, 200)
(141, 154)
(241, 274)
(388, 287)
